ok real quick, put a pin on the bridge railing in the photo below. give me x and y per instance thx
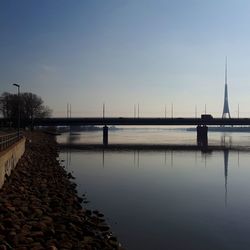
(7, 140)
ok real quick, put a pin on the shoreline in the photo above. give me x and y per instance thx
(40, 207)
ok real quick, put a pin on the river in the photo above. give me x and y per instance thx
(167, 199)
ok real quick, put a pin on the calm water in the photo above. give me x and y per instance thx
(156, 136)
(168, 199)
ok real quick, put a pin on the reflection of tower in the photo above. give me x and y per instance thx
(138, 158)
(172, 158)
(238, 158)
(226, 106)
(195, 157)
(103, 158)
(226, 140)
(134, 157)
(69, 114)
(226, 153)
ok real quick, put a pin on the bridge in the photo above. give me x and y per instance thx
(145, 121)
(201, 123)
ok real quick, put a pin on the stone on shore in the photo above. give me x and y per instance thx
(40, 208)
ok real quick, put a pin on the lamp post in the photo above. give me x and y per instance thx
(18, 122)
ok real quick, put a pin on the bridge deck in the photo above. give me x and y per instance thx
(141, 121)
(147, 121)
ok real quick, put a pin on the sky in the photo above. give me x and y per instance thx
(154, 53)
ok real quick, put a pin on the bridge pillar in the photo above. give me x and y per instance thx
(202, 135)
(105, 135)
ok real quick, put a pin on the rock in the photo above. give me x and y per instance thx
(52, 242)
(61, 228)
(39, 226)
(47, 220)
(103, 228)
(66, 244)
(12, 209)
(52, 248)
(7, 222)
(29, 240)
(24, 209)
(36, 246)
(100, 215)
(80, 199)
(88, 212)
(40, 208)
(38, 234)
(2, 228)
(88, 239)
(38, 212)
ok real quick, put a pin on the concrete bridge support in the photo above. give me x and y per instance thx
(202, 135)
(105, 135)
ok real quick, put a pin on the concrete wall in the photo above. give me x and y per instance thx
(9, 159)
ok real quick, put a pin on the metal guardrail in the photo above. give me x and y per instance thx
(7, 140)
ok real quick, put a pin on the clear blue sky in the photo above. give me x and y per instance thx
(124, 52)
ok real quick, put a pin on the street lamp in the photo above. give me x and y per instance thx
(18, 91)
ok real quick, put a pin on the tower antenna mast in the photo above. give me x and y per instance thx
(226, 106)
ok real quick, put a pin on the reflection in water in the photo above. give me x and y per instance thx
(205, 157)
(172, 158)
(103, 158)
(136, 157)
(155, 136)
(226, 140)
(68, 157)
(72, 138)
(194, 207)
(238, 158)
(195, 154)
(172, 190)
(226, 153)
(165, 157)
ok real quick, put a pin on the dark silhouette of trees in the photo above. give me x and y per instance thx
(31, 106)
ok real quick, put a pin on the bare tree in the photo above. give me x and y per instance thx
(31, 106)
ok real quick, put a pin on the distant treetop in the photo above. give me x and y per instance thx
(31, 106)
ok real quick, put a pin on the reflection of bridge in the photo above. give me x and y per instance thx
(138, 149)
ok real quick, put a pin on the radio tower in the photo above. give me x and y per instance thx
(226, 106)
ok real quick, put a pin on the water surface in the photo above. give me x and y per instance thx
(169, 199)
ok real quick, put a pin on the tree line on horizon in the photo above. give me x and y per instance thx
(31, 107)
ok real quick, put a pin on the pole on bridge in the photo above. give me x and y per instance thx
(105, 135)
(103, 111)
